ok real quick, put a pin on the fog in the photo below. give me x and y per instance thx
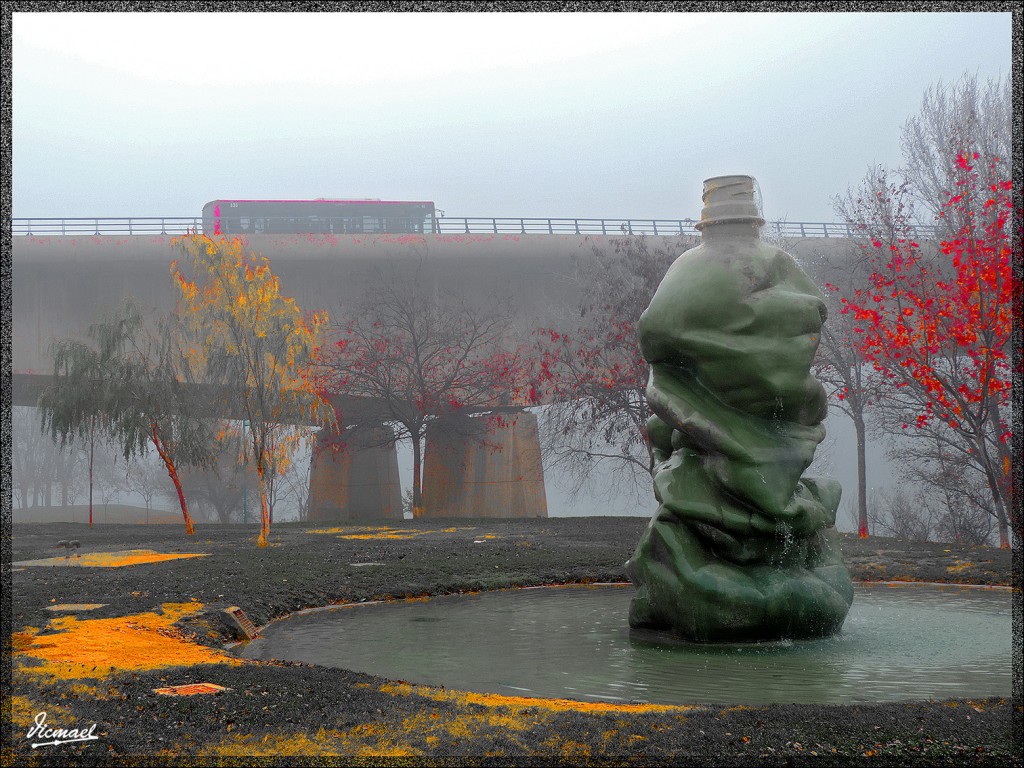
(539, 115)
(529, 114)
(115, 481)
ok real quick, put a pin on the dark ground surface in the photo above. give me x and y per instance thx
(277, 709)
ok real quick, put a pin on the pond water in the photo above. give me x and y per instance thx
(898, 643)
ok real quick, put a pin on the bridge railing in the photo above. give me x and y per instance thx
(664, 227)
(482, 225)
(179, 225)
(113, 225)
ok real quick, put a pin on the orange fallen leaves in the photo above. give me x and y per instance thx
(114, 559)
(384, 532)
(519, 702)
(94, 648)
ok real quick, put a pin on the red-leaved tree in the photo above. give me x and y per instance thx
(413, 357)
(939, 327)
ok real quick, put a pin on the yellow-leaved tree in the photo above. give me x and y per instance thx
(256, 344)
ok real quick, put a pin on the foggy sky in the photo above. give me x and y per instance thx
(560, 115)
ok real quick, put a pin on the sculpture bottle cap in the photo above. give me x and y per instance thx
(729, 199)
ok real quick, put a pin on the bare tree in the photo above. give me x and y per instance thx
(293, 482)
(110, 478)
(935, 459)
(147, 479)
(39, 467)
(880, 209)
(285, 477)
(591, 371)
(901, 516)
(958, 119)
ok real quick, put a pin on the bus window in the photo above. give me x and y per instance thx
(317, 216)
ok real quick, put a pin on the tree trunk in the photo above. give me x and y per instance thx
(264, 508)
(190, 528)
(268, 484)
(997, 499)
(92, 444)
(984, 460)
(46, 477)
(417, 491)
(1000, 477)
(65, 470)
(862, 481)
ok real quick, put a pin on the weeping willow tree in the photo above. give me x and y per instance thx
(132, 386)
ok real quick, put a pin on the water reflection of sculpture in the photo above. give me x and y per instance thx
(742, 547)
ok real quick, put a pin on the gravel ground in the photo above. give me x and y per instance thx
(289, 713)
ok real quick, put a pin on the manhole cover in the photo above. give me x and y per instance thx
(191, 689)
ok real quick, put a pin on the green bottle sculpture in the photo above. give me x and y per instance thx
(742, 547)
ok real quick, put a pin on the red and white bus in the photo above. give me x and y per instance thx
(259, 217)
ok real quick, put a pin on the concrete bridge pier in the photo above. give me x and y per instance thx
(475, 468)
(358, 481)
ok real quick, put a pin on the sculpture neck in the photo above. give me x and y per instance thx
(744, 230)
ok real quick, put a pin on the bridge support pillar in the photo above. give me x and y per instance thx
(357, 482)
(475, 469)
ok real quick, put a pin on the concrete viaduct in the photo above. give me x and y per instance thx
(61, 283)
